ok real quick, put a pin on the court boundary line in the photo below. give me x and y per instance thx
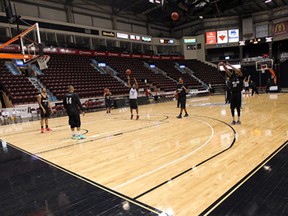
(242, 181)
(171, 162)
(197, 165)
(116, 133)
(102, 187)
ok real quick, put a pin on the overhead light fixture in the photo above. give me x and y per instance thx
(267, 1)
(200, 17)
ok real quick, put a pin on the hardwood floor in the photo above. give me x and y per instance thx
(138, 158)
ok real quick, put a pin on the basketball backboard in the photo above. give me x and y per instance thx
(264, 64)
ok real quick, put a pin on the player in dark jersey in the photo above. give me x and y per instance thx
(72, 105)
(182, 91)
(253, 87)
(227, 91)
(45, 109)
(236, 86)
(108, 102)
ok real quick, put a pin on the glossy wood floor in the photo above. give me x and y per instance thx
(179, 166)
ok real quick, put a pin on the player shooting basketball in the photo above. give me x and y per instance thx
(133, 95)
(236, 85)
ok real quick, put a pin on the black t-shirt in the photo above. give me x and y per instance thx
(107, 97)
(181, 90)
(44, 101)
(236, 85)
(71, 103)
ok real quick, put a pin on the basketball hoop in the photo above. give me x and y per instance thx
(30, 43)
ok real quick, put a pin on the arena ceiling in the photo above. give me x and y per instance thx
(189, 10)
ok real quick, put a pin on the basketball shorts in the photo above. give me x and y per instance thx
(108, 103)
(74, 121)
(182, 101)
(235, 100)
(46, 114)
(133, 104)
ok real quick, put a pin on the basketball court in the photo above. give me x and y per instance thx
(175, 166)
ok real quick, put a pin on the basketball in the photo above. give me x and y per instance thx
(176, 95)
(128, 72)
(175, 16)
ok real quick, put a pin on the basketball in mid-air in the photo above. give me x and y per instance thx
(128, 72)
(175, 16)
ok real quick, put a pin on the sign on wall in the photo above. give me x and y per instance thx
(190, 40)
(210, 37)
(261, 31)
(108, 34)
(222, 37)
(233, 35)
(280, 28)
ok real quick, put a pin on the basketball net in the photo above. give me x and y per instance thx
(263, 69)
(42, 61)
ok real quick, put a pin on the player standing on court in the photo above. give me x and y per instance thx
(108, 102)
(72, 105)
(227, 91)
(253, 87)
(133, 95)
(45, 109)
(182, 91)
(236, 86)
(246, 85)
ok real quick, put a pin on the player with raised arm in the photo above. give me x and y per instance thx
(236, 85)
(133, 95)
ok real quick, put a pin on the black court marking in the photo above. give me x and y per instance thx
(100, 196)
(118, 134)
(197, 165)
(29, 131)
(243, 180)
(143, 119)
(100, 138)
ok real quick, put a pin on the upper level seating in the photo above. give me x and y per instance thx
(17, 87)
(74, 70)
(139, 71)
(169, 68)
(203, 71)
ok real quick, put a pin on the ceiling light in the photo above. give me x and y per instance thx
(267, 1)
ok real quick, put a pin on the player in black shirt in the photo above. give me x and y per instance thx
(227, 91)
(235, 85)
(253, 87)
(108, 102)
(182, 91)
(72, 104)
(45, 109)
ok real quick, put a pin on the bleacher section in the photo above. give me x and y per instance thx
(139, 72)
(205, 72)
(77, 70)
(17, 87)
(64, 70)
(169, 68)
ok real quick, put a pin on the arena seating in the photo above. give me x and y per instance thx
(140, 72)
(17, 87)
(205, 72)
(169, 68)
(64, 70)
